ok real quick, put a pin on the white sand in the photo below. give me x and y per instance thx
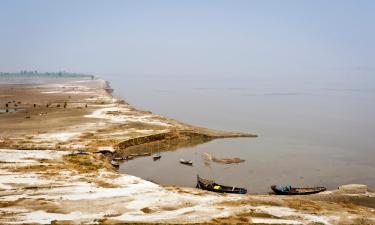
(104, 113)
(60, 136)
(125, 201)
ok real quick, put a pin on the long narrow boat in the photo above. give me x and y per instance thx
(280, 190)
(186, 162)
(210, 185)
(156, 157)
(118, 158)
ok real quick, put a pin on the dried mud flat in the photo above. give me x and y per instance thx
(54, 185)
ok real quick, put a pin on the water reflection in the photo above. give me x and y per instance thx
(311, 132)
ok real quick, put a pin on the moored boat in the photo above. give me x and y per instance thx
(186, 162)
(81, 152)
(156, 157)
(115, 163)
(211, 185)
(289, 190)
(118, 158)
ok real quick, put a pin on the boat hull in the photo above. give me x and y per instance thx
(186, 162)
(209, 186)
(298, 191)
(156, 158)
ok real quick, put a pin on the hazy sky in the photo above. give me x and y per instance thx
(195, 38)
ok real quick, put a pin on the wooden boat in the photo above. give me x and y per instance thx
(156, 157)
(104, 151)
(115, 163)
(186, 162)
(80, 152)
(280, 190)
(119, 158)
(140, 154)
(210, 185)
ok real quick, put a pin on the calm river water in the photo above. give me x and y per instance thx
(311, 131)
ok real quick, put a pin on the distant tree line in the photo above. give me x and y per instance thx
(52, 74)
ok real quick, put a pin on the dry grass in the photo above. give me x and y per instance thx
(105, 184)
(230, 220)
(196, 192)
(86, 163)
(253, 213)
(251, 201)
(244, 217)
(4, 204)
(47, 168)
(303, 204)
(147, 210)
(30, 168)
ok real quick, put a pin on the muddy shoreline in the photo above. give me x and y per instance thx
(44, 180)
(46, 103)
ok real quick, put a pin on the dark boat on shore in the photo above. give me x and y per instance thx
(119, 158)
(80, 152)
(115, 163)
(210, 185)
(288, 190)
(186, 162)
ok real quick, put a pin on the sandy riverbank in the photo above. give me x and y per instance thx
(50, 184)
(92, 118)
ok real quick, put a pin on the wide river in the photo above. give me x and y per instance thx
(311, 131)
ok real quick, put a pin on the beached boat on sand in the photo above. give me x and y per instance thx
(119, 158)
(210, 185)
(115, 163)
(288, 190)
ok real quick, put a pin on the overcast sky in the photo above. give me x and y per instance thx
(187, 38)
